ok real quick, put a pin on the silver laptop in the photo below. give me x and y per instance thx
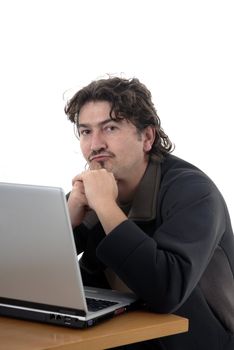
(40, 277)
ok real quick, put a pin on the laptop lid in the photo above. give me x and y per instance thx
(39, 269)
(37, 253)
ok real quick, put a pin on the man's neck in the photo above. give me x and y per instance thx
(127, 188)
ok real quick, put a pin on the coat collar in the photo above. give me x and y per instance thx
(144, 203)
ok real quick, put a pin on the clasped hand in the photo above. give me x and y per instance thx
(91, 189)
(100, 187)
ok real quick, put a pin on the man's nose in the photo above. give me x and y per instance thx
(97, 141)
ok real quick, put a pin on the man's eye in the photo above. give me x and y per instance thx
(110, 128)
(84, 132)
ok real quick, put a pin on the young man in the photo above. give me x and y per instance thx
(148, 221)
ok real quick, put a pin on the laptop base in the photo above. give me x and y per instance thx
(54, 318)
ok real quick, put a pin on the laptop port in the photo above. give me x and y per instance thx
(67, 320)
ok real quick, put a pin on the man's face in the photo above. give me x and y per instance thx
(115, 145)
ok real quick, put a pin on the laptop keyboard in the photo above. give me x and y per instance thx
(97, 304)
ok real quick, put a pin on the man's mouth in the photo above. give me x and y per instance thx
(99, 157)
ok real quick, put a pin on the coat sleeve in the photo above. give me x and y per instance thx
(81, 234)
(165, 268)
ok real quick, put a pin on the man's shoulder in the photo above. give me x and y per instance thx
(182, 184)
(171, 161)
(177, 173)
(173, 166)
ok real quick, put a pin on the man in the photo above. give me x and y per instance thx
(147, 221)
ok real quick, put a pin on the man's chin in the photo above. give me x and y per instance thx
(102, 164)
(95, 165)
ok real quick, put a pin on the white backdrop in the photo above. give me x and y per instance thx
(182, 50)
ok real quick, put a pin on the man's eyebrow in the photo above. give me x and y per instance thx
(88, 125)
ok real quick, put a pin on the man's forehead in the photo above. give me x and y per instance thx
(97, 114)
(94, 111)
(95, 106)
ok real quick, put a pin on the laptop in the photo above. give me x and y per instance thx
(40, 278)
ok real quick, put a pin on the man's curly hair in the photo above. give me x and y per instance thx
(130, 100)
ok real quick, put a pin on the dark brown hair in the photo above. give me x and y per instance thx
(129, 99)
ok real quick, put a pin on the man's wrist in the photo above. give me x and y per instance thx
(110, 215)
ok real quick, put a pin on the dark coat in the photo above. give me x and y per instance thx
(175, 251)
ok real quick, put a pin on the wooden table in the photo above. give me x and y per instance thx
(134, 326)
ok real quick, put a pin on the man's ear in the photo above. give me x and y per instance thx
(149, 137)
